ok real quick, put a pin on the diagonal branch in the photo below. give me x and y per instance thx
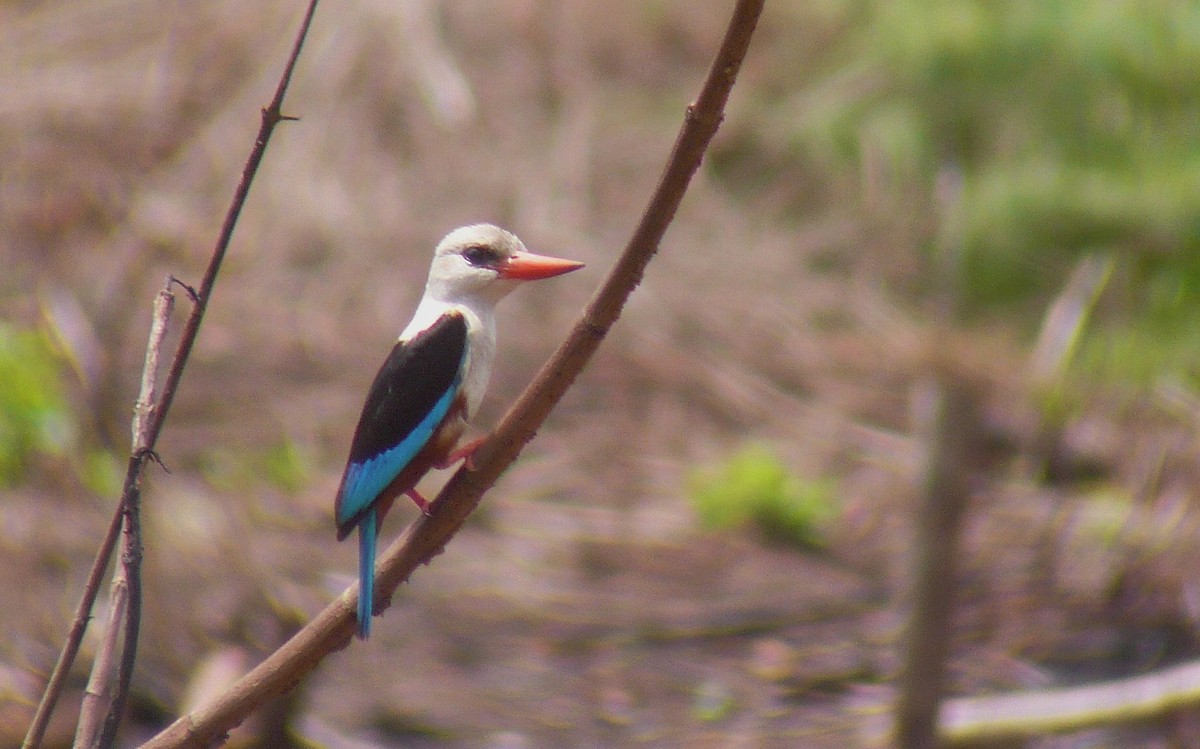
(58, 675)
(331, 629)
(152, 423)
(272, 115)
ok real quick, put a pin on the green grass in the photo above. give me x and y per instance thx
(1070, 128)
(284, 465)
(754, 488)
(35, 417)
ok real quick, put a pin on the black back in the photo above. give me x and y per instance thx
(416, 374)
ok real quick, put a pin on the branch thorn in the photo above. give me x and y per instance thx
(191, 292)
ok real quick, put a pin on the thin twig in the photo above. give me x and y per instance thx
(102, 706)
(129, 572)
(83, 612)
(331, 629)
(147, 403)
(128, 576)
(271, 116)
(98, 695)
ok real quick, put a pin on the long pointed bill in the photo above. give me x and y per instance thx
(526, 266)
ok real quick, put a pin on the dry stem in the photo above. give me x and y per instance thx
(102, 706)
(148, 424)
(331, 629)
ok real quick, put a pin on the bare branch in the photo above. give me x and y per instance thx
(147, 402)
(83, 612)
(98, 696)
(148, 424)
(128, 577)
(91, 710)
(272, 115)
(331, 629)
(100, 712)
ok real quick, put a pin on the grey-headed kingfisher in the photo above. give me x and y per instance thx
(430, 384)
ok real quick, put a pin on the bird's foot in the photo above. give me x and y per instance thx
(419, 501)
(466, 453)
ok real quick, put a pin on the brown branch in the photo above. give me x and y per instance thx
(150, 426)
(58, 675)
(102, 705)
(128, 577)
(331, 629)
(98, 696)
(943, 500)
(148, 402)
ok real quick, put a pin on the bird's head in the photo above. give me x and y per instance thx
(485, 262)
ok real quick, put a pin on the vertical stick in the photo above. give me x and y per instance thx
(146, 429)
(97, 697)
(943, 498)
(100, 712)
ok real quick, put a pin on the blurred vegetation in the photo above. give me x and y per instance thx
(287, 466)
(284, 465)
(34, 415)
(712, 701)
(754, 487)
(1067, 127)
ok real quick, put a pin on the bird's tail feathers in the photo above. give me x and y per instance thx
(367, 534)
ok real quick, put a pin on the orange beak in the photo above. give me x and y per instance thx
(526, 266)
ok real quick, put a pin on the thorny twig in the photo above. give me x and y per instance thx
(126, 515)
(332, 628)
(99, 715)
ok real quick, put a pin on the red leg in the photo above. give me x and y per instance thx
(420, 501)
(466, 452)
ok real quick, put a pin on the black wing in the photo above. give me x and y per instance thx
(411, 395)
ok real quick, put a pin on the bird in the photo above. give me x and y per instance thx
(431, 383)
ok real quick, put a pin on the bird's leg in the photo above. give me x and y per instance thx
(465, 453)
(420, 501)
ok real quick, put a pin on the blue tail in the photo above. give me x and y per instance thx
(367, 533)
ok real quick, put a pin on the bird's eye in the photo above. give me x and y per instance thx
(479, 255)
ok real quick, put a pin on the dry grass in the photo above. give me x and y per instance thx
(582, 608)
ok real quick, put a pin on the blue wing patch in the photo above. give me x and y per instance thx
(365, 481)
(411, 396)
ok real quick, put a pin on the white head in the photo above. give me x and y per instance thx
(483, 262)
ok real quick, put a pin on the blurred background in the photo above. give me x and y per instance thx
(708, 543)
